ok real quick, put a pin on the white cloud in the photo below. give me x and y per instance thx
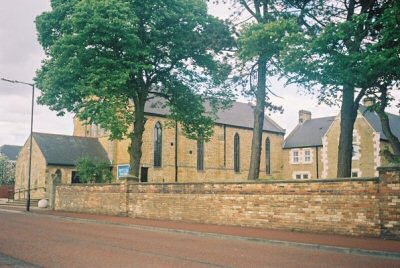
(21, 55)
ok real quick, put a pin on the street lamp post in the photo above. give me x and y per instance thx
(28, 203)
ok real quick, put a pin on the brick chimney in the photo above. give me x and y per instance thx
(304, 116)
(367, 102)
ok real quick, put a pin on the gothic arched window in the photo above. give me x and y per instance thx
(157, 145)
(200, 154)
(268, 156)
(236, 147)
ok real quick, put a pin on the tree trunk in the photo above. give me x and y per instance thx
(256, 144)
(137, 137)
(348, 115)
(393, 140)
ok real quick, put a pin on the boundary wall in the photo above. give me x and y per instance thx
(359, 207)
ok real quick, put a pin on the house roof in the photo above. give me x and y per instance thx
(309, 133)
(10, 151)
(67, 150)
(375, 122)
(239, 115)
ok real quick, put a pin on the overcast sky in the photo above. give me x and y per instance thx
(21, 55)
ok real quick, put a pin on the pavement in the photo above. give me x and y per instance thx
(42, 238)
(369, 246)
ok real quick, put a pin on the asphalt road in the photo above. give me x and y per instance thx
(32, 240)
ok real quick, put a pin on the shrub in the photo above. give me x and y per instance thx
(90, 171)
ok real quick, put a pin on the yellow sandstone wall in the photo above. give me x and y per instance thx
(368, 162)
(289, 168)
(218, 166)
(41, 173)
(38, 178)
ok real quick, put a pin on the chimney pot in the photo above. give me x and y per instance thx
(304, 116)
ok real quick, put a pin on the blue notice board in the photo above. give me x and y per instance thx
(123, 170)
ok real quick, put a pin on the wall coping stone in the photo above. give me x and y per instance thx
(390, 167)
(373, 179)
(90, 184)
(130, 178)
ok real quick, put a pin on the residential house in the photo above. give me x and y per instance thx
(311, 150)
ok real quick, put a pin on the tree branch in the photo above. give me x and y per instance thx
(247, 7)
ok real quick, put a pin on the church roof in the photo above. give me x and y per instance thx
(10, 151)
(310, 133)
(239, 115)
(65, 150)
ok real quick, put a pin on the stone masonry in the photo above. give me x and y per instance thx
(361, 206)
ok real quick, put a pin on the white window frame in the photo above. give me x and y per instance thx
(301, 156)
(302, 175)
(356, 153)
(298, 157)
(310, 155)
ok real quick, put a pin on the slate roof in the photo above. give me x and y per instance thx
(309, 133)
(373, 119)
(10, 151)
(239, 115)
(67, 150)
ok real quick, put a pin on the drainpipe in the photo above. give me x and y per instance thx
(225, 146)
(176, 151)
(316, 153)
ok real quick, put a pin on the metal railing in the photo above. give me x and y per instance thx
(22, 193)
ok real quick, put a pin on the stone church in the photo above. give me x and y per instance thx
(168, 156)
(308, 152)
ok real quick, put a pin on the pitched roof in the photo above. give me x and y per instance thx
(375, 122)
(309, 133)
(67, 150)
(10, 151)
(239, 115)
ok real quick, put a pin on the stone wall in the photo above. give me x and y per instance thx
(361, 206)
(94, 198)
(336, 206)
(22, 169)
(366, 164)
(389, 195)
(218, 153)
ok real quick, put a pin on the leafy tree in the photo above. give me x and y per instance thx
(90, 171)
(107, 58)
(384, 60)
(268, 27)
(333, 54)
(7, 171)
(380, 103)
